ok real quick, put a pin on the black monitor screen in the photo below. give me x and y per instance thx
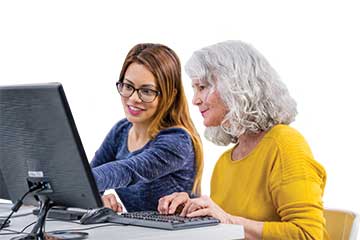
(39, 139)
(4, 194)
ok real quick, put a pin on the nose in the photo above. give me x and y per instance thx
(196, 100)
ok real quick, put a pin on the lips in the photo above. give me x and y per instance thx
(135, 110)
(203, 112)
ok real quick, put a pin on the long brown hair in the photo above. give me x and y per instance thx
(173, 110)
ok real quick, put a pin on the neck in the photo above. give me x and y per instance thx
(137, 137)
(246, 143)
(139, 131)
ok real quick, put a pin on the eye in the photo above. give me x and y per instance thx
(202, 87)
(199, 87)
(127, 86)
(147, 91)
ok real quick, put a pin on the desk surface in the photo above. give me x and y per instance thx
(114, 231)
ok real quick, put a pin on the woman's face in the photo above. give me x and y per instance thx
(211, 107)
(137, 111)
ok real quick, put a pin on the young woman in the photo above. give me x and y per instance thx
(156, 150)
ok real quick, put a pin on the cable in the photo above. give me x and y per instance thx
(29, 225)
(18, 215)
(88, 228)
(19, 203)
(10, 232)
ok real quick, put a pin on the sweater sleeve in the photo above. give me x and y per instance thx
(297, 184)
(169, 151)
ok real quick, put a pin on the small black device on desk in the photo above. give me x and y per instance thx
(98, 215)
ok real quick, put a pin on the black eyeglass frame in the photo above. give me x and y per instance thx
(157, 92)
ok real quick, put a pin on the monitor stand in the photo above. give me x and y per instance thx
(37, 232)
(62, 213)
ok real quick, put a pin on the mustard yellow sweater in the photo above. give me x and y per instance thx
(278, 183)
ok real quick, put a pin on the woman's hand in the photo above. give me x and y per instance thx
(170, 203)
(204, 206)
(110, 201)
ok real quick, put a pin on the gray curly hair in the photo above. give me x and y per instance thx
(250, 88)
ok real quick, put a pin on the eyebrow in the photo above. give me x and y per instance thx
(144, 85)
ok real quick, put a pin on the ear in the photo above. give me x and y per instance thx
(174, 92)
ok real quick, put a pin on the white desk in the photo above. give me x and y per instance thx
(112, 231)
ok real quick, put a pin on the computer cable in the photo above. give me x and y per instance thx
(22, 230)
(17, 232)
(29, 225)
(18, 215)
(88, 228)
(13, 232)
(19, 203)
(9, 232)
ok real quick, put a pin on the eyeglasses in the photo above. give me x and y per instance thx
(146, 95)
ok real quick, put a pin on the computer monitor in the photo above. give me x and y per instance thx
(39, 143)
(4, 194)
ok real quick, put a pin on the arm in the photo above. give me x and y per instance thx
(170, 150)
(301, 217)
(295, 184)
(204, 206)
(300, 211)
(300, 208)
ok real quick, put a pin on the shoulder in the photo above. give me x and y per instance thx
(288, 139)
(222, 166)
(174, 133)
(225, 155)
(223, 159)
(174, 138)
(282, 133)
(119, 131)
(296, 158)
(120, 127)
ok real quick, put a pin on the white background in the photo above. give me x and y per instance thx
(314, 46)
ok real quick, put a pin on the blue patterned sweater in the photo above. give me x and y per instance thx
(164, 165)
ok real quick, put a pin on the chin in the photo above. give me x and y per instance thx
(133, 119)
(210, 123)
(207, 124)
(138, 119)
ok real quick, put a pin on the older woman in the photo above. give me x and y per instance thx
(269, 181)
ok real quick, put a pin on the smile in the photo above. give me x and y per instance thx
(203, 112)
(134, 110)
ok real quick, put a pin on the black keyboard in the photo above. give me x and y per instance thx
(155, 220)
